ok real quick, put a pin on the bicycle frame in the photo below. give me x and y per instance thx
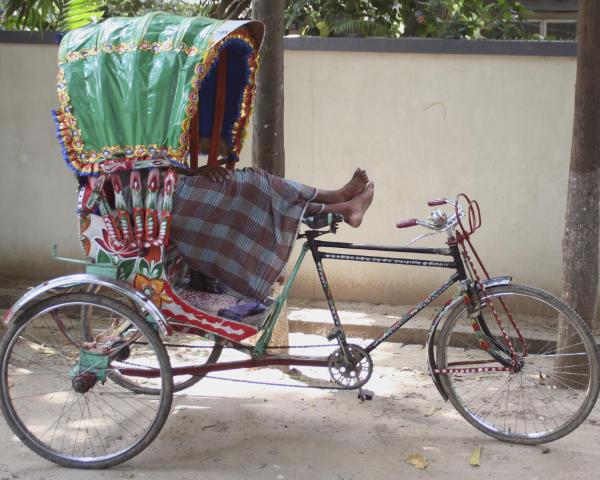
(455, 264)
(259, 355)
(258, 352)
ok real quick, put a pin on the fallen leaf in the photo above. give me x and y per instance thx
(476, 457)
(417, 460)
(429, 411)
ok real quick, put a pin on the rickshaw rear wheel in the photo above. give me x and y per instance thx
(179, 346)
(44, 359)
(180, 382)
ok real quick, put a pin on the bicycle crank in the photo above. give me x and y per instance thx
(352, 370)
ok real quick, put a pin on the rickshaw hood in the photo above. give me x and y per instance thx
(129, 88)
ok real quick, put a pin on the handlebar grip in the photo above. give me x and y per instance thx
(406, 223)
(436, 202)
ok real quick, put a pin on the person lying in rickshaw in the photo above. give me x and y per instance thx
(162, 90)
(239, 226)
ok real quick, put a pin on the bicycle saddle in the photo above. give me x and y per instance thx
(315, 222)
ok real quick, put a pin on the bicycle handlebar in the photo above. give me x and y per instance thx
(438, 220)
(406, 223)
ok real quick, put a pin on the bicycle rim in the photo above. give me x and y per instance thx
(56, 396)
(557, 384)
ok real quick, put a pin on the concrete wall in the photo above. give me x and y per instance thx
(37, 191)
(424, 125)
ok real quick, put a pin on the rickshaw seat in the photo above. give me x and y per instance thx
(322, 220)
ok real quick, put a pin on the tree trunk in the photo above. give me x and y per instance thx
(267, 135)
(580, 241)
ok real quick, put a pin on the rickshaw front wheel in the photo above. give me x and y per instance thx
(55, 388)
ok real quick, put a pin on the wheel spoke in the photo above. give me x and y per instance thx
(61, 398)
(558, 379)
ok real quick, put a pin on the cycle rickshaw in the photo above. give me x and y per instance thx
(87, 373)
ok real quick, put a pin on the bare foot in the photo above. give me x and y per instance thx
(355, 209)
(355, 186)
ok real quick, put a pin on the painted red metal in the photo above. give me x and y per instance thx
(264, 361)
(406, 223)
(179, 310)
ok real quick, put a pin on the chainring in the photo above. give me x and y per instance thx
(352, 372)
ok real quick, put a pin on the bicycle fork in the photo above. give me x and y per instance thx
(503, 354)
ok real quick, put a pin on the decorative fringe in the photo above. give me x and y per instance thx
(91, 163)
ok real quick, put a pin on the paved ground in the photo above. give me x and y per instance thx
(225, 430)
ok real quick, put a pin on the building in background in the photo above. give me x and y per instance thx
(552, 19)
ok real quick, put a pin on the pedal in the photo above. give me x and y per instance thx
(364, 394)
(333, 334)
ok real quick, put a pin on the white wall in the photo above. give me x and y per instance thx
(37, 191)
(495, 127)
(424, 126)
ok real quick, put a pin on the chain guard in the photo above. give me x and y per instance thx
(351, 372)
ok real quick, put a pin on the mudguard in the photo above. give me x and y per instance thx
(143, 304)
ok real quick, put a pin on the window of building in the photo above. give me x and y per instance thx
(561, 30)
(553, 29)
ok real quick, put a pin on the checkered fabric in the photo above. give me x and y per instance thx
(240, 231)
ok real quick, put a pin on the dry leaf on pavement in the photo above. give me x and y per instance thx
(417, 460)
(476, 457)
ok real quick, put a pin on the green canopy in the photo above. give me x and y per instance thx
(129, 89)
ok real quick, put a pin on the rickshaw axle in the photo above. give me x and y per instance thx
(84, 382)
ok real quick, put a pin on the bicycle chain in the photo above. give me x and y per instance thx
(178, 345)
(275, 384)
(257, 382)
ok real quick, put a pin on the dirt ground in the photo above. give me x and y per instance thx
(226, 430)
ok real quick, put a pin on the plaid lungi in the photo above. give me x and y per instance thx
(240, 231)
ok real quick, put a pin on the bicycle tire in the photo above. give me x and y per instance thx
(553, 374)
(34, 357)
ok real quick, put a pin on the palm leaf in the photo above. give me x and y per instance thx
(30, 14)
(79, 13)
(361, 27)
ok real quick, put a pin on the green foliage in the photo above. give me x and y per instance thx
(344, 17)
(501, 19)
(133, 8)
(407, 18)
(79, 13)
(229, 9)
(30, 14)
(498, 19)
(53, 15)
(49, 15)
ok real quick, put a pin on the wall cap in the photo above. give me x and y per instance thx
(8, 36)
(378, 45)
(433, 45)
